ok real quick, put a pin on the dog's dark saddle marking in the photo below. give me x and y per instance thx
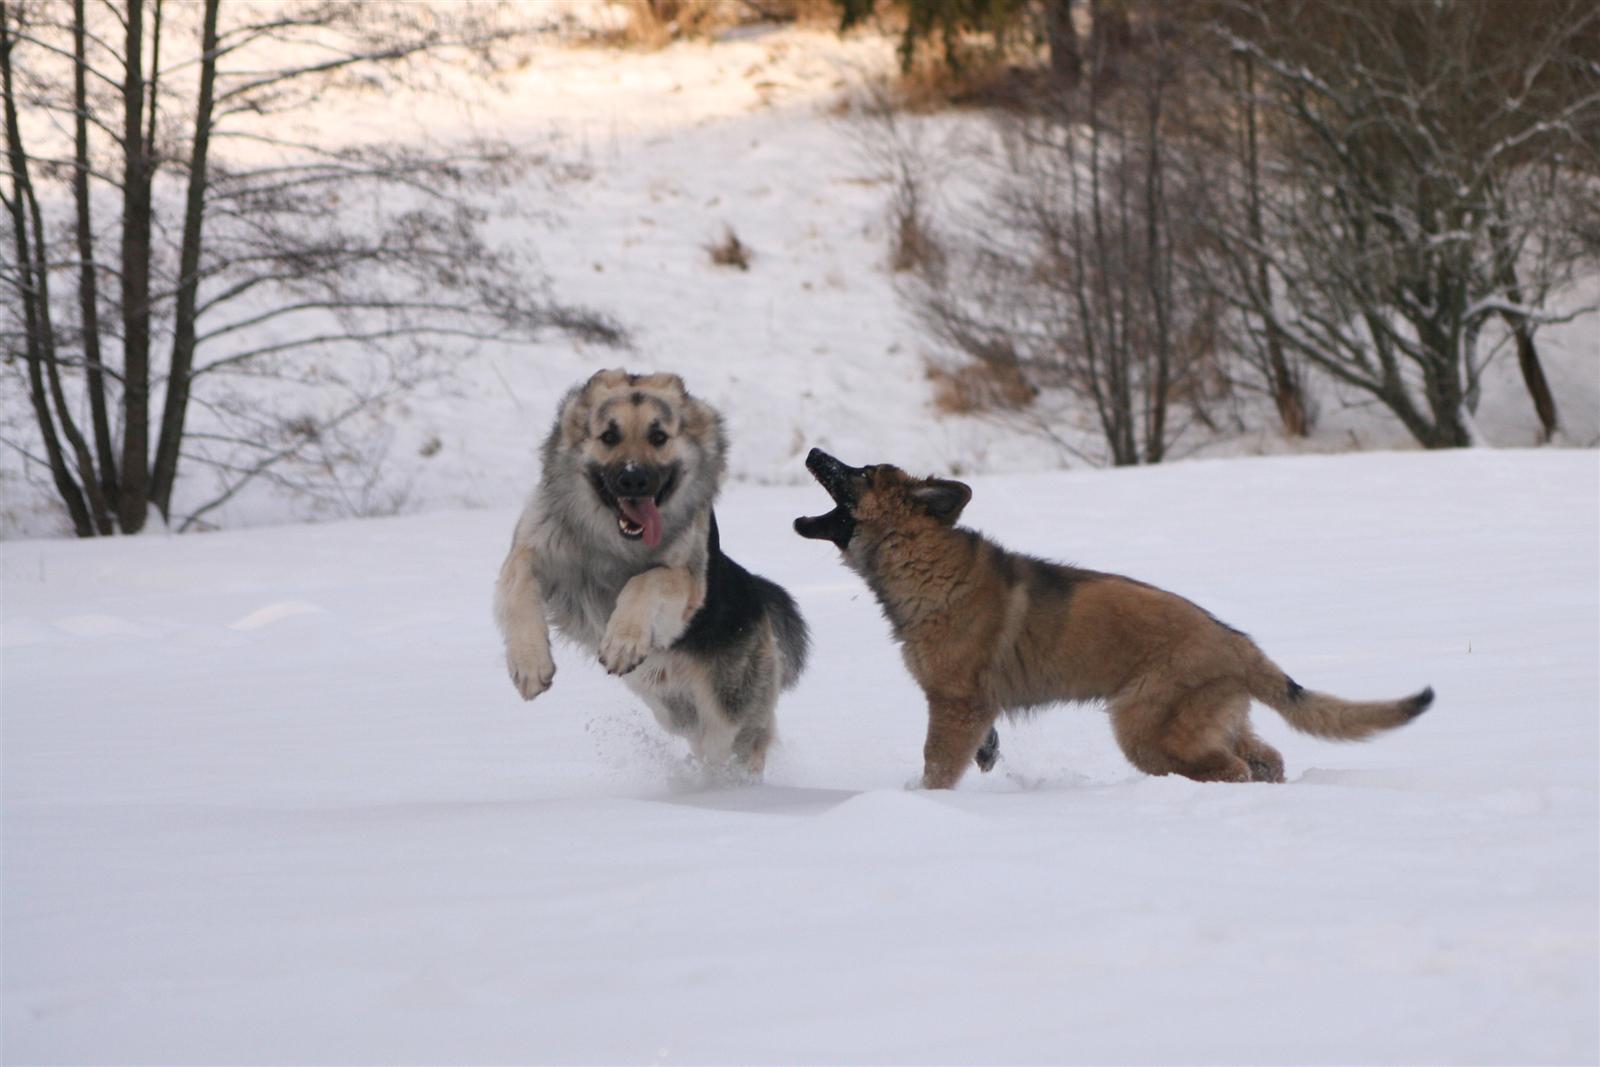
(735, 602)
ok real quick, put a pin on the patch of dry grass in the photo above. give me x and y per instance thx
(730, 251)
(978, 387)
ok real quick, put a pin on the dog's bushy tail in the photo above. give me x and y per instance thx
(794, 640)
(1323, 715)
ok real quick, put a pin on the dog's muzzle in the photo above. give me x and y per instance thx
(840, 481)
(837, 478)
(636, 492)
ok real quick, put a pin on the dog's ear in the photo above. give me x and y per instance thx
(663, 380)
(614, 376)
(944, 500)
(573, 417)
(700, 420)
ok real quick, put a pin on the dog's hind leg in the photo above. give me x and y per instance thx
(750, 747)
(1266, 765)
(727, 702)
(1190, 733)
(1137, 722)
(957, 729)
(720, 743)
(746, 690)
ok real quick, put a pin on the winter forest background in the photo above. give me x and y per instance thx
(304, 280)
(324, 260)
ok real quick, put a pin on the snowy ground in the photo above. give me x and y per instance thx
(268, 797)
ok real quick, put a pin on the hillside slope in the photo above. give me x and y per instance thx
(649, 156)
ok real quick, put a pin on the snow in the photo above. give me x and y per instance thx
(269, 797)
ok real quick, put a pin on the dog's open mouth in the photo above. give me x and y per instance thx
(639, 517)
(838, 524)
(829, 527)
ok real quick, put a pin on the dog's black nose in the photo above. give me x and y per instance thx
(633, 481)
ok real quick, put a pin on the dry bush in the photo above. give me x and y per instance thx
(912, 245)
(808, 11)
(987, 79)
(985, 386)
(895, 151)
(730, 251)
(657, 23)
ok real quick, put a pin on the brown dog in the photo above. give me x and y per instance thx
(985, 630)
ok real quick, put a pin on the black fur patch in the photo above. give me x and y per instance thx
(1048, 580)
(1420, 703)
(1293, 688)
(1008, 565)
(735, 603)
(597, 478)
(988, 752)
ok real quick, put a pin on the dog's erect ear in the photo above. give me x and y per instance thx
(612, 376)
(701, 422)
(573, 416)
(942, 499)
(618, 378)
(662, 380)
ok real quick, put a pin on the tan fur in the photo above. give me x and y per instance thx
(652, 611)
(984, 630)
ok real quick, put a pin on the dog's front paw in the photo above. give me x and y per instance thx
(531, 669)
(623, 648)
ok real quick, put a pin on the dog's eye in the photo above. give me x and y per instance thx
(658, 437)
(611, 438)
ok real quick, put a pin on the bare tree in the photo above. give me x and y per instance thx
(1224, 157)
(1415, 157)
(1064, 267)
(243, 284)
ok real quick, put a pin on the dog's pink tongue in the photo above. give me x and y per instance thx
(642, 511)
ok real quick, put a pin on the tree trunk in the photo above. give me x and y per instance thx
(1110, 34)
(88, 283)
(183, 340)
(1157, 276)
(35, 316)
(1287, 394)
(1062, 37)
(58, 396)
(1446, 403)
(134, 500)
(1544, 402)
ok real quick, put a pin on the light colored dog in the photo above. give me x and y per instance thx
(618, 549)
